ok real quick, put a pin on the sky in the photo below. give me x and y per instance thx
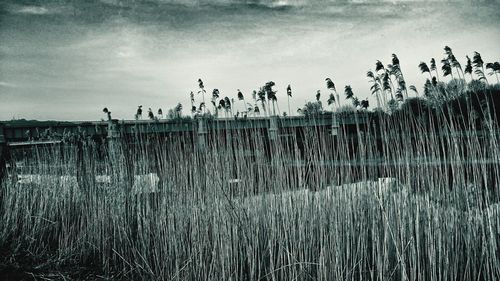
(67, 59)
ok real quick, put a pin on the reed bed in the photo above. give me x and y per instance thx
(412, 197)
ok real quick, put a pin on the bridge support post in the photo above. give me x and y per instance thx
(273, 128)
(273, 135)
(118, 154)
(335, 125)
(113, 140)
(201, 134)
(3, 154)
(113, 131)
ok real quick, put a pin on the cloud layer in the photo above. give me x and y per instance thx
(67, 60)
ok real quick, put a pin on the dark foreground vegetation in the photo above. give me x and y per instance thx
(413, 195)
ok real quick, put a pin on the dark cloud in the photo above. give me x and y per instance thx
(86, 54)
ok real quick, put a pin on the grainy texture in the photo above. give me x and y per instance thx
(246, 208)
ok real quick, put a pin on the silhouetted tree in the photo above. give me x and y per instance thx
(271, 94)
(289, 95)
(254, 98)
(379, 66)
(447, 51)
(433, 67)
(215, 97)
(355, 102)
(395, 60)
(383, 80)
(222, 106)
(331, 86)
(392, 106)
(424, 68)
(241, 98)
(178, 109)
(348, 92)
(446, 68)
(108, 113)
(428, 88)
(457, 66)
(150, 114)
(395, 70)
(201, 86)
(331, 100)
(193, 107)
(478, 64)
(262, 98)
(365, 104)
(227, 105)
(176, 112)
(453, 61)
(202, 106)
(414, 89)
(311, 109)
(138, 114)
(495, 69)
(256, 109)
(375, 88)
(468, 67)
(386, 84)
(401, 90)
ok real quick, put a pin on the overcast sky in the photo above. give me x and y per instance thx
(67, 59)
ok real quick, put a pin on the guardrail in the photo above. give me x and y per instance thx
(26, 131)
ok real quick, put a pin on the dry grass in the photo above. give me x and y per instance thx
(295, 211)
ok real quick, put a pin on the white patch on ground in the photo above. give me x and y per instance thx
(145, 183)
(68, 180)
(234, 181)
(386, 185)
(29, 179)
(103, 179)
(33, 10)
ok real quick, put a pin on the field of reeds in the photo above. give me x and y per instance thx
(411, 196)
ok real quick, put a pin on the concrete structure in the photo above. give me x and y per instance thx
(23, 131)
(3, 153)
(273, 128)
(201, 133)
(335, 126)
(113, 139)
(113, 130)
(3, 140)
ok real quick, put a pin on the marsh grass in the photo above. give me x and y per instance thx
(304, 206)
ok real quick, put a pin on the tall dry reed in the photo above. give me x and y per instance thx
(304, 206)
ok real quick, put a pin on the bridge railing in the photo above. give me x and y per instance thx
(27, 131)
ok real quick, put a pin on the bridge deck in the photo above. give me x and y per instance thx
(29, 130)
